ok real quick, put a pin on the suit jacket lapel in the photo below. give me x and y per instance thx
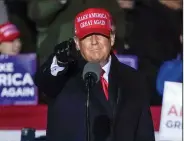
(117, 80)
(98, 97)
(117, 86)
(113, 81)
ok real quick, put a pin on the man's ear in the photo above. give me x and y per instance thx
(77, 43)
(112, 39)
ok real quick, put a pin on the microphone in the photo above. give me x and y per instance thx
(91, 74)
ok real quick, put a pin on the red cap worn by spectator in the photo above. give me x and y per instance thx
(8, 32)
(93, 20)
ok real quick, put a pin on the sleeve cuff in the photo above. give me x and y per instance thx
(54, 68)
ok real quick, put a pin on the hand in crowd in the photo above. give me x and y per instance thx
(173, 4)
(125, 3)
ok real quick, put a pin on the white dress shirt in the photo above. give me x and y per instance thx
(106, 69)
(55, 68)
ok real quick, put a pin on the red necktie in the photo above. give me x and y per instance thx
(104, 85)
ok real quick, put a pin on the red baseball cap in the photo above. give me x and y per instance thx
(93, 20)
(8, 32)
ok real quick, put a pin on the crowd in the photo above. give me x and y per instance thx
(149, 29)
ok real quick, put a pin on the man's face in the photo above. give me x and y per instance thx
(95, 47)
(10, 48)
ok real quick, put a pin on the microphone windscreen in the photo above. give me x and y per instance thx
(93, 68)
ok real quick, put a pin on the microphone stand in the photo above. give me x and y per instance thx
(89, 82)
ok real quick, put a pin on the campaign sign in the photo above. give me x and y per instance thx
(129, 60)
(16, 80)
(171, 116)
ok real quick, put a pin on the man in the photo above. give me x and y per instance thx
(119, 103)
(10, 43)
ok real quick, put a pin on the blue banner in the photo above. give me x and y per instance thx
(16, 80)
(130, 60)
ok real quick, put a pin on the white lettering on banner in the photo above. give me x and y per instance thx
(92, 15)
(171, 116)
(6, 67)
(174, 111)
(174, 124)
(16, 92)
(16, 79)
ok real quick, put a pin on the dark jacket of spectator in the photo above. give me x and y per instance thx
(154, 38)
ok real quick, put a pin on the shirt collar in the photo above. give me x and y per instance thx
(106, 68)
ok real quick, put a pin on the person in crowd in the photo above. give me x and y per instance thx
(123, 21)
(10, 43)
(153, 37)
(119, 101)
(18, 15)
(171, 70)
(54, 20)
